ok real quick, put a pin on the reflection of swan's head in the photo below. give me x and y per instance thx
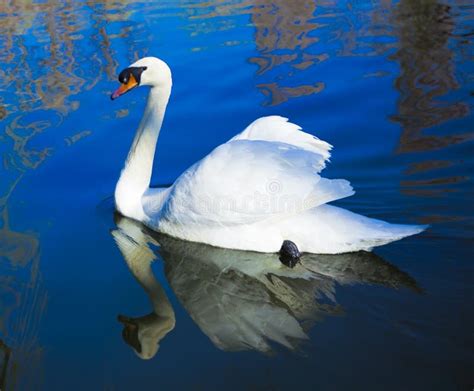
(148, 71)
(143, 334)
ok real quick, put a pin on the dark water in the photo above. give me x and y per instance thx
(389, 84)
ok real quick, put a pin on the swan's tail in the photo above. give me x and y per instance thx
(328, 229)
(386, 233)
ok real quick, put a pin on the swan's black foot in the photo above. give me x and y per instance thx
(289, 253)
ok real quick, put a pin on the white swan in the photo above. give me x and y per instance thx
(253, 192)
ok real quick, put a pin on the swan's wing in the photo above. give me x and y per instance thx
(255, 176)
(276, 128)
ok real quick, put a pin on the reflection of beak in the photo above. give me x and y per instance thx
(130, 332)
(131, 84)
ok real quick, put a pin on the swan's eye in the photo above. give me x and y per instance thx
(124, 76)
(127, 73)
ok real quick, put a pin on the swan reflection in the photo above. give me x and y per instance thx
(240, 300)
(143, 333)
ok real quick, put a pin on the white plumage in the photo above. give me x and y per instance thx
(251, 193)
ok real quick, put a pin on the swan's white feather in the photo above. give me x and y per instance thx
(248, 181)
(277, 129)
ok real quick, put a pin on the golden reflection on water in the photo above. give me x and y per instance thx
(23, 302)
(280, 94)
(427, 74)
(283, 32)
(41, 77)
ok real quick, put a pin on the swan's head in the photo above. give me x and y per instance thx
(148, 71)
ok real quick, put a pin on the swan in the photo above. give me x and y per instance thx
(255, 191)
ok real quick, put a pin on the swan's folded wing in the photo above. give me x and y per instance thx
(276, 128)
(246, 181)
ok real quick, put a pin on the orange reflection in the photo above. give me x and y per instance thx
(427, 74)
(283, 32)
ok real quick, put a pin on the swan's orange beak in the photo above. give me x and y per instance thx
(125, 87)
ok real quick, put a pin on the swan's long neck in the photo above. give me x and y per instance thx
(136, 175)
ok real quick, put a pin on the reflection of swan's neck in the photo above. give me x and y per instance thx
(145, 332)
(144, 274)
(135, 177)
(154, 327)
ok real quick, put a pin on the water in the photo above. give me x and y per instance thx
(389, 84)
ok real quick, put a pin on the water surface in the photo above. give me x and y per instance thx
(90, 300)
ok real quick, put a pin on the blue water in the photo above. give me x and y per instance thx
(389, 84)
